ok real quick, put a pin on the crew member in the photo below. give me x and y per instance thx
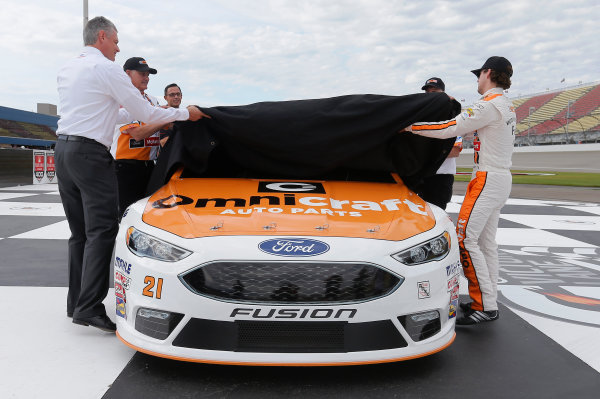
(437, 189)
(173, 96)
(90, 88)
(494, 120)
(135, 150)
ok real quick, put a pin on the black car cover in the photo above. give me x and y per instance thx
(311, 139)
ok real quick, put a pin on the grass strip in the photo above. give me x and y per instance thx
(574, 179)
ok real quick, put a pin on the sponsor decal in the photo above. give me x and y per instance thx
(50, 168)
(470, 112)
(290, 187)
(123, 265)
(152, 141)
(293, 247)
(120, 291)
(172, 201)
(453, 269)
(291, 205)
(452, 309)
(121, 279)
(126, 212)
(453, 282)
(133, 143)
(291, 313)
(454, 293)
(39, 165)
(423, 289)
(121, 308)
(476, 143)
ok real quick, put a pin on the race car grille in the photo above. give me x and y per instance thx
(291, 282)
(289, 337)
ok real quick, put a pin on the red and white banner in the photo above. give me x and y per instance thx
(44, 171)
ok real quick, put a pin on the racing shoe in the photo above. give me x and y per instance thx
(477, 316)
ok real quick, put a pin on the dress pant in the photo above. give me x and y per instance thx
(88, 190)
(132, 177)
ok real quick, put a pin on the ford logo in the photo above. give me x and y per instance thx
(293, 247)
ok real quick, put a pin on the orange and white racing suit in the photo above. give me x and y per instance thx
(126, 147)
(494, 120)
(134, 161)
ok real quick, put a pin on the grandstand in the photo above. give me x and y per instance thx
(569, 115)
(30, 129)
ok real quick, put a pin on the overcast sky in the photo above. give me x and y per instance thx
(233, 52)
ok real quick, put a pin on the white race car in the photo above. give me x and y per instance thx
(282, 272)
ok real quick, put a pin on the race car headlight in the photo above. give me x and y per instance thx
(434, 249)
(145, 245)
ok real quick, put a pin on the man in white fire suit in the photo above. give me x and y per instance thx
(493, 119)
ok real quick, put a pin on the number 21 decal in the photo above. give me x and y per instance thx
(150, 283)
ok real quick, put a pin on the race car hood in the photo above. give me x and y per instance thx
(203, 207)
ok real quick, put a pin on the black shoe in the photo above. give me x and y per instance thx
(70, 315)
(101, 321)
(477, 316)
(465, 306)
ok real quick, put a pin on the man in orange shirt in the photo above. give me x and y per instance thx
(135, 144)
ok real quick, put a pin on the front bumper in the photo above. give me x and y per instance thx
(209, 330)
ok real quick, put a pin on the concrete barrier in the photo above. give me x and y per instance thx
(557, 158)
(16, 166)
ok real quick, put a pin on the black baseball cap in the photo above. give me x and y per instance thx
(498, 64)
(138, 64)
(434, 82)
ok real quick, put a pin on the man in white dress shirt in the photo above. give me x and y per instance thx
(91, 89)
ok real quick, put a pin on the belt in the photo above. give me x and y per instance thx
(67, 137)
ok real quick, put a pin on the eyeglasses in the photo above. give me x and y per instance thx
(174, 94)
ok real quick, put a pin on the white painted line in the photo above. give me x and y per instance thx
(32, 187)
(528, 202)
(543, 250)
(516, 252)
(532, 237)
(590, 209)
(553, 222)
(56, 231)
(44, 355)
(580, 340)
(452, 208)
(31, 209)
(5, 196)
(582, 264)
(585, 251)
